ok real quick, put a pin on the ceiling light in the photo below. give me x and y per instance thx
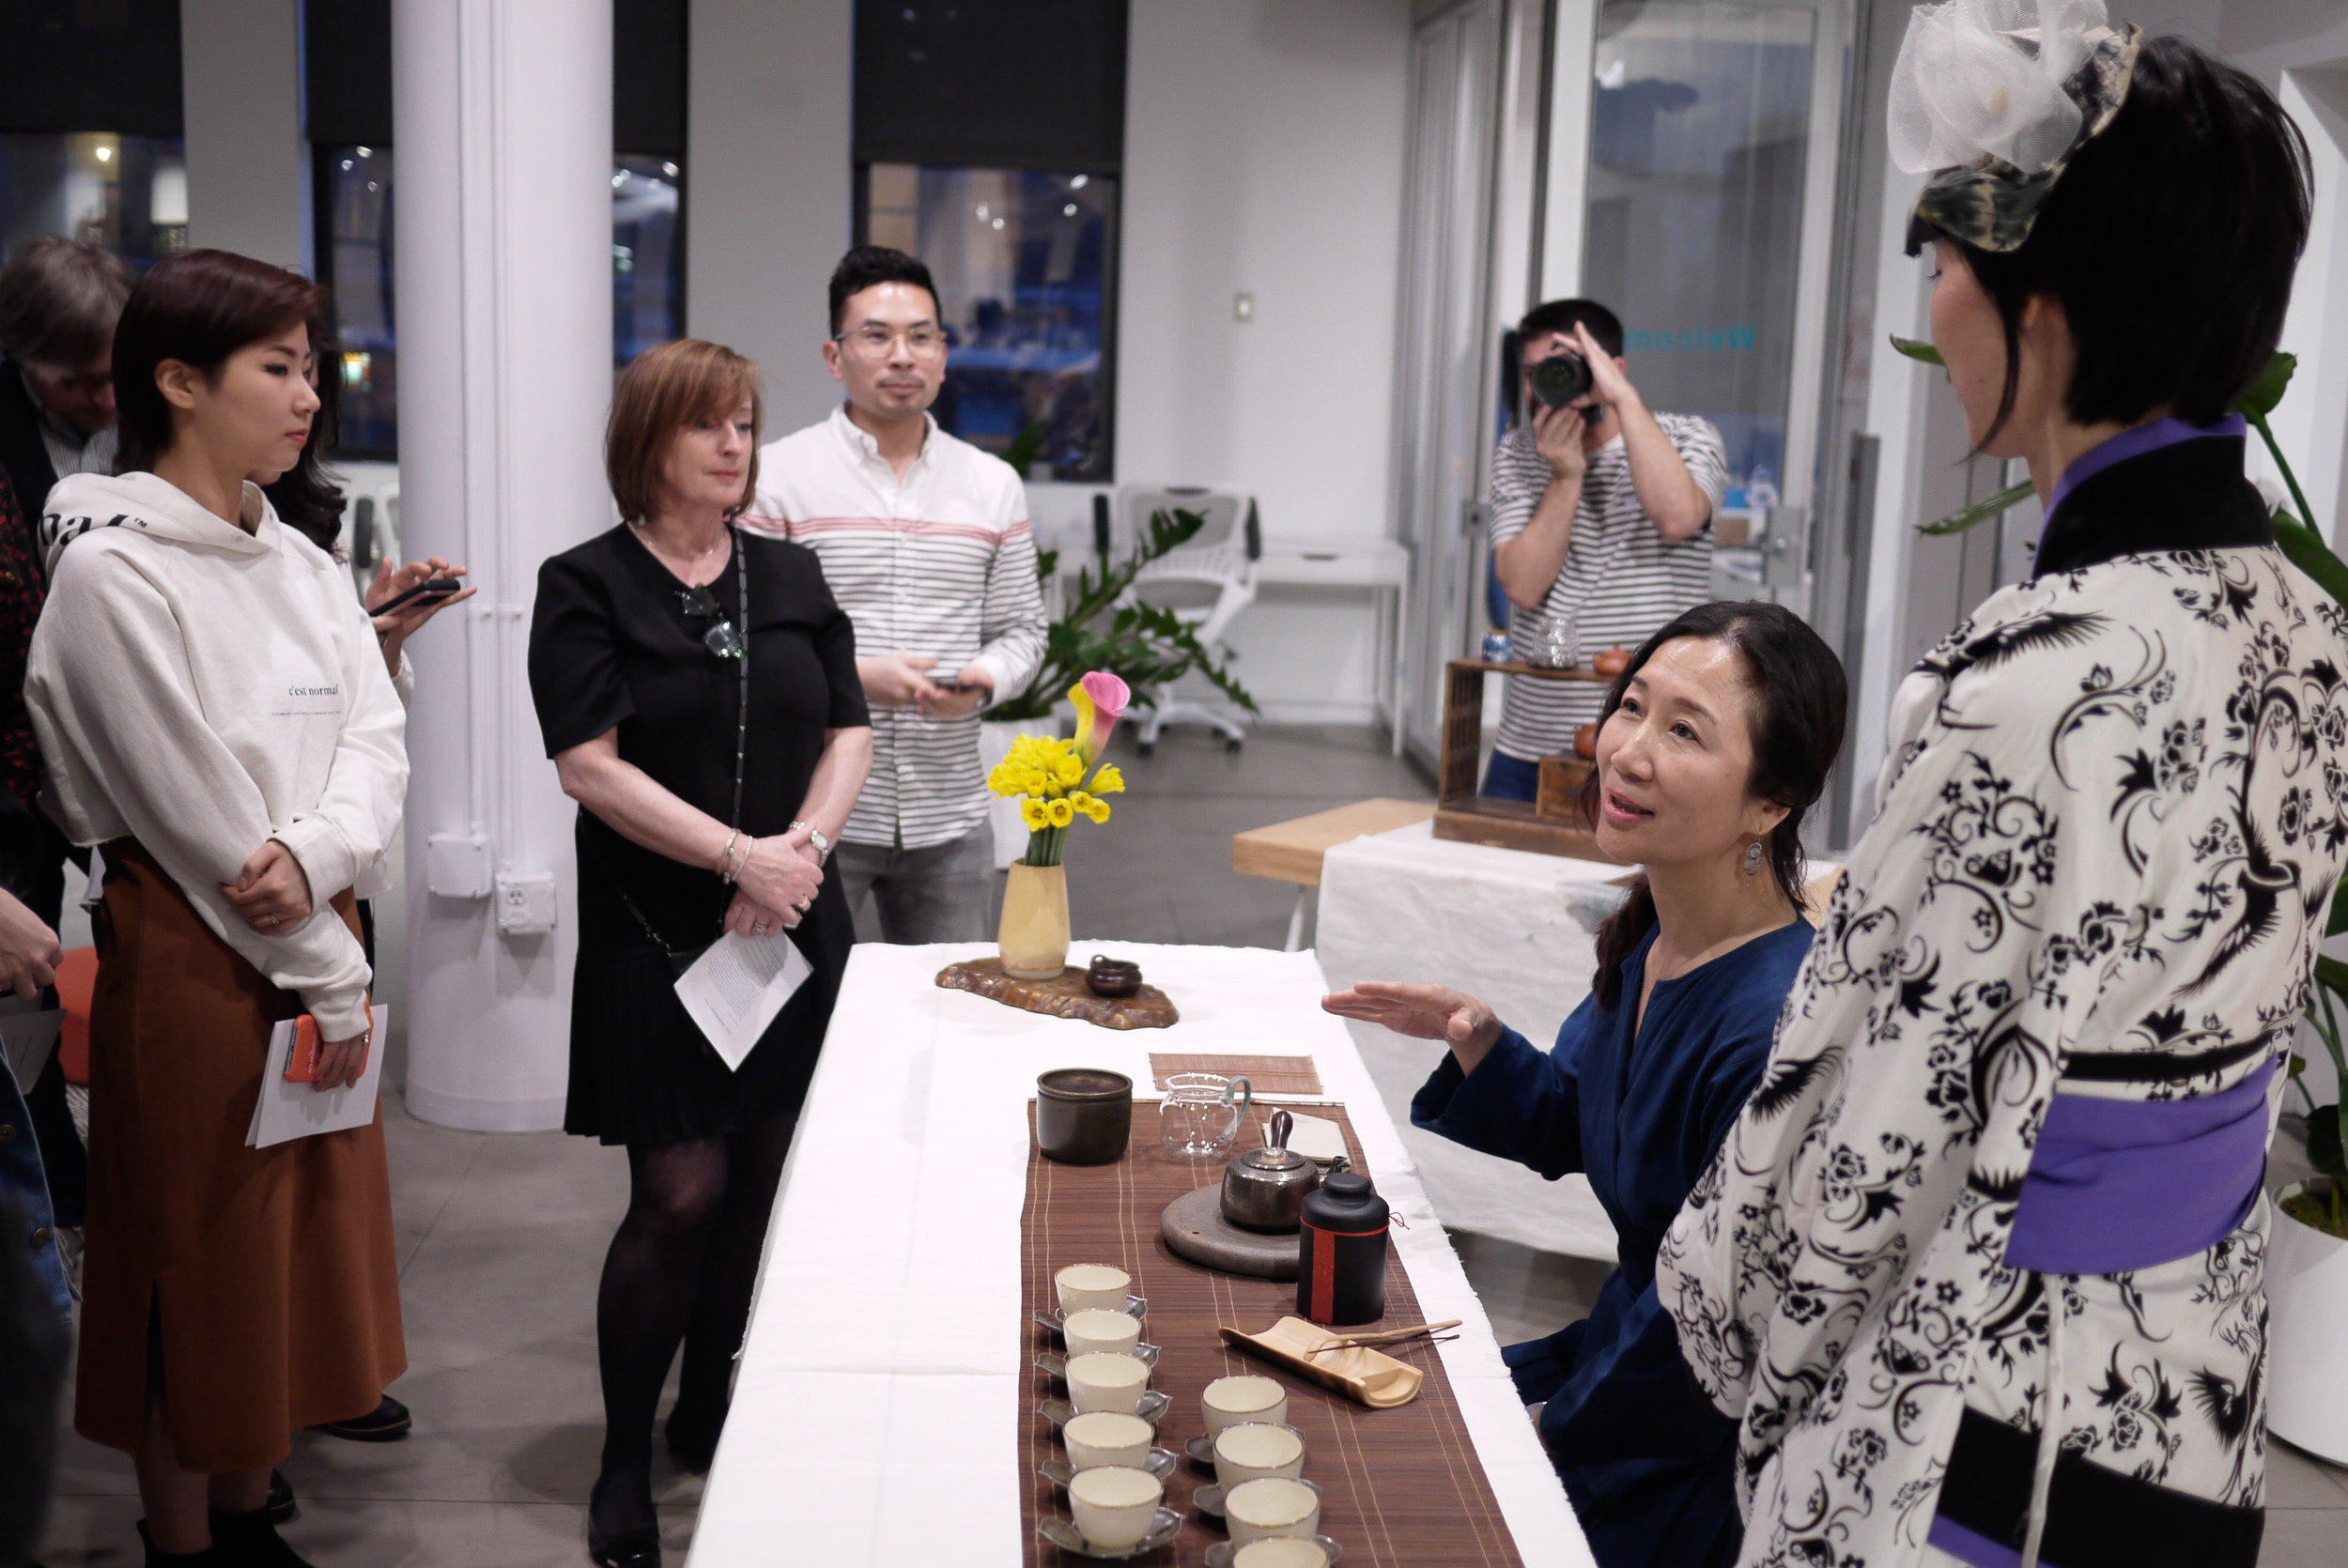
(366, 152)
(1078, 183)
(998, 222)
(105, 154)
(1067, 211)
(982, 212)
(668, 169)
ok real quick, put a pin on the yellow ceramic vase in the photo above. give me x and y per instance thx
(1034, 933)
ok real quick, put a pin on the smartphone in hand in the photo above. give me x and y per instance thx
(438, 588)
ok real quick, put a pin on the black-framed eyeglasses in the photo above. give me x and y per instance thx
(721, 639)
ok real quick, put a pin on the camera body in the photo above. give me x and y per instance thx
(1559, 379)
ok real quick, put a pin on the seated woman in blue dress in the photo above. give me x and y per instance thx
(1712, 744)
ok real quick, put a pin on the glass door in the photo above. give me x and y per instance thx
(1708, 230)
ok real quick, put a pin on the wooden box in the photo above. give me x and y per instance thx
(1462, 814)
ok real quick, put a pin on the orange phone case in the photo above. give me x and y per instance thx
(301, 1063)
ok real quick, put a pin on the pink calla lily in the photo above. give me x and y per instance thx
(1100, 698)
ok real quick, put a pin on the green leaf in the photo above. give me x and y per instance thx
(2339, 921)
(1025, 447)
(2332, 973)
(2268, 389)
(1917, 349)
(1979, 512)
(2324, 1146)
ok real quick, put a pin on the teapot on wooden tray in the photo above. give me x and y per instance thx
(1264, 1188)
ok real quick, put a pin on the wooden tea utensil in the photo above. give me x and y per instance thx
(1358, 1371)
(1392, 1336)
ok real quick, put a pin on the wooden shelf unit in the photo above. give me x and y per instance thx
(1460, 812)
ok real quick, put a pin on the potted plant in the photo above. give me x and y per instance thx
(2306, 1252)
(1055, 781)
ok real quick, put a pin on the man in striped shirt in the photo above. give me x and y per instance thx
(1600, 511)
(925, 543)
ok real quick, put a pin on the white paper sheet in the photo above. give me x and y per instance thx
(288, 1110)
(736, 989)
(30, 1033)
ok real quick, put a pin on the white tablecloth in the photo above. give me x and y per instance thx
(875, 1416)
(1518, 930)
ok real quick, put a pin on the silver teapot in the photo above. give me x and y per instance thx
(1264, 1188)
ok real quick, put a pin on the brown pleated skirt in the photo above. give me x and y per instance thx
(267, 1279)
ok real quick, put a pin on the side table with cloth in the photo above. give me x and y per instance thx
(877, 1411)
(1515, 929)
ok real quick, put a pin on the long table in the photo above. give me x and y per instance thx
(877, 1412)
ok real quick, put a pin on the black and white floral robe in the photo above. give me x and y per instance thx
(2110, 826)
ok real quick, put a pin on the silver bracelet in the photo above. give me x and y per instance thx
(725, 858)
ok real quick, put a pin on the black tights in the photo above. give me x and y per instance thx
(681, 1268)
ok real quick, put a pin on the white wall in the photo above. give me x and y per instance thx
(1264, 155)
(767, 199)
(240, 72)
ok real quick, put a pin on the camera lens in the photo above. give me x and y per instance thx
(1560, 378)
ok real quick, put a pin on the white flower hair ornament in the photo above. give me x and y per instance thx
(1994, 98)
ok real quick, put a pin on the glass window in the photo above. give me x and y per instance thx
(1699, 137)
(647, 252)
(1024, 266)
(129, 193)
(355, 244)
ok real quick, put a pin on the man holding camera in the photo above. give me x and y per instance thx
(1601, 513)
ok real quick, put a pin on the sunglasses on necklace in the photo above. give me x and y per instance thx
(721, 639)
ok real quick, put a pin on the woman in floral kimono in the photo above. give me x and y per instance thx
(1978, 1268)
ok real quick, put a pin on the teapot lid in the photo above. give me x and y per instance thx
(1273, 1159)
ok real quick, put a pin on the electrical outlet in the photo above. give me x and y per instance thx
(525, 902)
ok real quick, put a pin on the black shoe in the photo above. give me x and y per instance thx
(387, 1423)
(281, 1509)
(629, 1548)
(251, 1541)
(693, 1438)
(157, 1557)
(638, 1546)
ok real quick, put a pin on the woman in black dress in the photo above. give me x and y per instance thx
(715, 751)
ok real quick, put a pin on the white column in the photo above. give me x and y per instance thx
(241, 75)
(504, 159)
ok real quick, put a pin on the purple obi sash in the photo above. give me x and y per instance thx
(2121, 1184)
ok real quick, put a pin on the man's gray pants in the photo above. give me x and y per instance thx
(944, 893)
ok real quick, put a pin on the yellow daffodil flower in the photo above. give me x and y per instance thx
(1035, 814)
(1109, 781)
(1097, 809)
(1061, 813)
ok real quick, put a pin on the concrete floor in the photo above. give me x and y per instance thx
(501, 1237)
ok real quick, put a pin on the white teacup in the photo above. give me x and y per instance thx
(1275, 1505)
(1099, 1382)
(1106, 1438)
(1114, 1505)
(1280, 1551)
(1229, 1401)
(1092, 1286)
(1093, 1331)
(1253, 1450)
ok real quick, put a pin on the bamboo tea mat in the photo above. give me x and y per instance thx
(1266, 1075)
(1402, 1489)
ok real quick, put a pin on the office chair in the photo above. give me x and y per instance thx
(1206, 581)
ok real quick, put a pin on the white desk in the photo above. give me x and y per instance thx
(1379, 565)
(878, 1397)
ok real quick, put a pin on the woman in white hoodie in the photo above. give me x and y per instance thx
(212, 709)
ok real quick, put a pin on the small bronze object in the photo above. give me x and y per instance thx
(1113, 977)
(1083, 1115)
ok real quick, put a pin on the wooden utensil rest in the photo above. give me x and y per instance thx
(1554, 822)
